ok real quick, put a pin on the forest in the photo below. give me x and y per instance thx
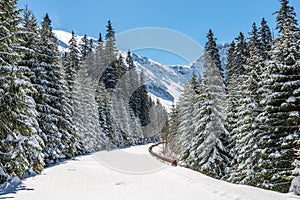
(243, 126)
(56, 105)
(240, 124)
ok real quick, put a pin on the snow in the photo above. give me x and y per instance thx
(294, 114)
(168, 78)
(295, 186)
(291, 100)
(87, 177)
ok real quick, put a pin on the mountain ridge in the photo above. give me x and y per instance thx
(164, 82)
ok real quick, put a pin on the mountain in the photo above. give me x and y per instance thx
(165, 82)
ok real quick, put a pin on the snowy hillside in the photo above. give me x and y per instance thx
(163, 82)
(130, 174)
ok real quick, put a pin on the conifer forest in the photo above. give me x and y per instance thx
(239, 124)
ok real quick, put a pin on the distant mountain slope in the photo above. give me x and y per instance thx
(165, 82)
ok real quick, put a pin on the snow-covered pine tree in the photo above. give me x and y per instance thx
(74, 55)
(246, 132)
(236, 61)
(129, 60)
(110, 51)
(111, 75)
(104, 109)
(281, 106)
(139, 101)
(208, 151)
(212, 50)
(84, 47)
(86, 117)
(195, 120)
(90, 46)
(158, 116)
(265, 38)
(55, 116)
(232, 95)
(95, 61)
(185, 115)
(20, 149)
(71, 64)
(172, 134)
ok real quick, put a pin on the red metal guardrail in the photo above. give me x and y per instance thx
(166, 159)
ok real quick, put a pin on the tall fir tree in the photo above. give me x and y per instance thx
(265, 38)
(110, 51)
(232, 94)
(212, 50)
(20, 149)
(280, 117)
(55, 117)
(139, 102)
(247, 130)
(208, 151)
(84, 47)
(71, 62)
(185, 114)
(86, 117)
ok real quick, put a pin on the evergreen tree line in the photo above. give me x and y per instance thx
(244, 128)
(55, 106)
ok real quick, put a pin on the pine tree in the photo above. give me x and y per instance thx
(86, 116)
(90, 46)
(286, 18)
(84, 47)
(208, 152)
(110, 51)
(281, 105)
(71, 62)
(129, 60)
(232, 95)
(20, 149)
(172, 135)
(241, 53)
(96, 61)
(212, 50)
(104, 109)
(247, 129)
(265, 38)
(55, 116)
(74, 52)
(185, 115)
(139, 102)
(237, 56)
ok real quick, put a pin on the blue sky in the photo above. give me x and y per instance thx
(191, 17)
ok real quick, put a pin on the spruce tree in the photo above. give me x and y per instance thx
(74, 52)
(212, 50)
(173, 135)
(265, 38)
(110, 51)
(55, 115)
(185, 115)
(71, 62)
(246, 132)
(208, 151)
(139, 102)
(281, 105)
(84, 47)
(21, 147)
(104, 109)
(86, 116)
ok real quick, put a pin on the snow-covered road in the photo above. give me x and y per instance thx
(102, 176)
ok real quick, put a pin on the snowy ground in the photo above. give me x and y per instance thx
(130, 174)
